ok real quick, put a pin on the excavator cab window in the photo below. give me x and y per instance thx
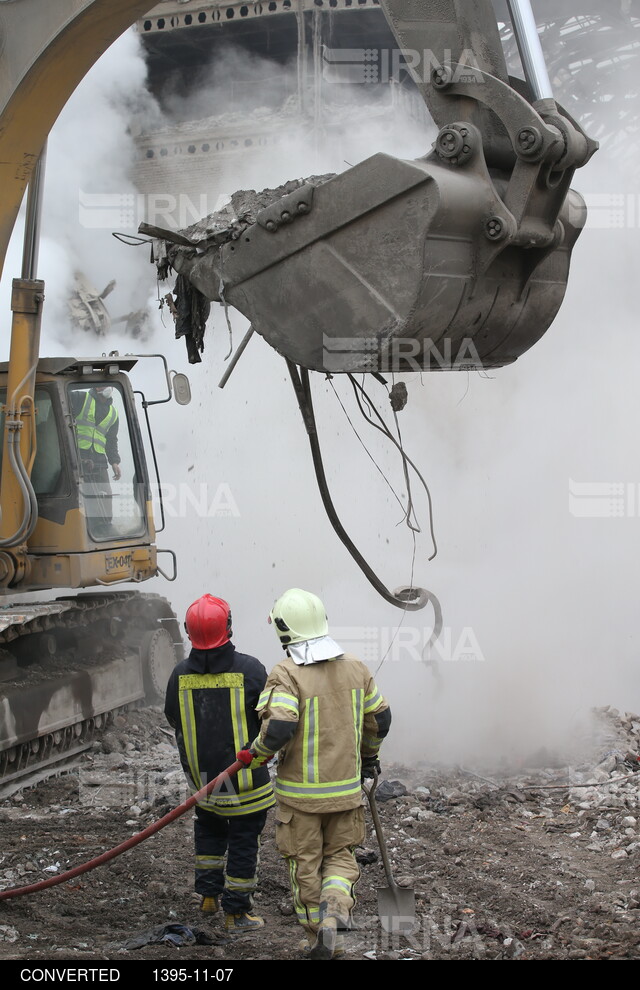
(46, 475)
(111, 481)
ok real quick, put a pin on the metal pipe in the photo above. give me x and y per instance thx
(32, 223)
(236, 357)
(525, 30)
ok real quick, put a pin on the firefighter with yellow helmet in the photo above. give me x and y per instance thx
(322, 713)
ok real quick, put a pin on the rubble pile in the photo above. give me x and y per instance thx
(534, 862)
(241, 212)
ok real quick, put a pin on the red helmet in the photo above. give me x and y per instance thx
(208, 623)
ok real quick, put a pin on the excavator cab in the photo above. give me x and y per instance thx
(95, 524)
(68, 665)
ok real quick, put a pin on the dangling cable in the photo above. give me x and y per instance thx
(399, 501)
(407, 479)
(368, 453)
(404, 614)
(357, 388)
(408, 598)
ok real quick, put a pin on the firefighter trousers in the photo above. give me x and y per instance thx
(323, 870)
(237, 837)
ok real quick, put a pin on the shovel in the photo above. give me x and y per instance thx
(396, 905)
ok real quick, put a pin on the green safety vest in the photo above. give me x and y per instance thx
(91, 434)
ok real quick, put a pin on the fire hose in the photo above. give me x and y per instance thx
(213, 787)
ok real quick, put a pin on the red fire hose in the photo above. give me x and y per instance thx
(213, 787)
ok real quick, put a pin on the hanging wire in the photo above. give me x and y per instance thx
(130, 239)
(405, 471)
(466, 390)
(369, 454)
(225, 304)
(407, 480)
(366, 398)
(359, 391)
(399, 501)
(404, 612)
(411, 599)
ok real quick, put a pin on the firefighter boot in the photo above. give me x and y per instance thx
(305, 945)
(209, 905)
(243, 922)
(325, 945)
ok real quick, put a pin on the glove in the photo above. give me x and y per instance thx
(246, 756)
(249, 758)
(370, 768)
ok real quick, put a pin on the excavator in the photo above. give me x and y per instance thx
(377, 270)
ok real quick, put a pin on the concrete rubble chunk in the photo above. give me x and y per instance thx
(390, 789)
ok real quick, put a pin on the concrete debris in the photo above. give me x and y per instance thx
(398, 396)
(535, 865)
(366, 856)
(241, 212)
(390, 789)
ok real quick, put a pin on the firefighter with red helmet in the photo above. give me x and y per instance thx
(210, 703)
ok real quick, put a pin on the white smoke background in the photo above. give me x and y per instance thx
(90, 151)
(548, 599)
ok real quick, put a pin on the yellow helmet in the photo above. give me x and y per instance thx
(299, 617)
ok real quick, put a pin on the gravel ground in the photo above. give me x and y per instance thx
(529, 864)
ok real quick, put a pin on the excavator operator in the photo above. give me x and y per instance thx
(96, 422)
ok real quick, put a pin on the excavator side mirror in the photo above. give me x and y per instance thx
(181, 389)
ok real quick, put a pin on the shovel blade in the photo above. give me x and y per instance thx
(397, 909)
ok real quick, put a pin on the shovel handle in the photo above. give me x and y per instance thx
(370, 792)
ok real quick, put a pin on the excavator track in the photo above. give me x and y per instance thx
(68, 666)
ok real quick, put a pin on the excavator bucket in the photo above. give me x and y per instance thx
(456, 260)
(388, 268)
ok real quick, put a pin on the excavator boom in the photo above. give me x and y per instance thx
(47, 47)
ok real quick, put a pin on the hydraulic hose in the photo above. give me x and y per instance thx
(30, 515)
(213, 787)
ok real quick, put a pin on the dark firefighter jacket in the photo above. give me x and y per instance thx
(210, 703)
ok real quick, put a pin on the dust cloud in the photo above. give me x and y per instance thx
(539, 604)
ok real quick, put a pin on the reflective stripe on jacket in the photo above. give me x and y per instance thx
(334, 704)
(91, 434)
(210, 702)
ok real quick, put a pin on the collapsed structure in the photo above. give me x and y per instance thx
(292, 55)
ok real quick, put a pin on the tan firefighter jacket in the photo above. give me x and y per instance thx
(331, 715)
